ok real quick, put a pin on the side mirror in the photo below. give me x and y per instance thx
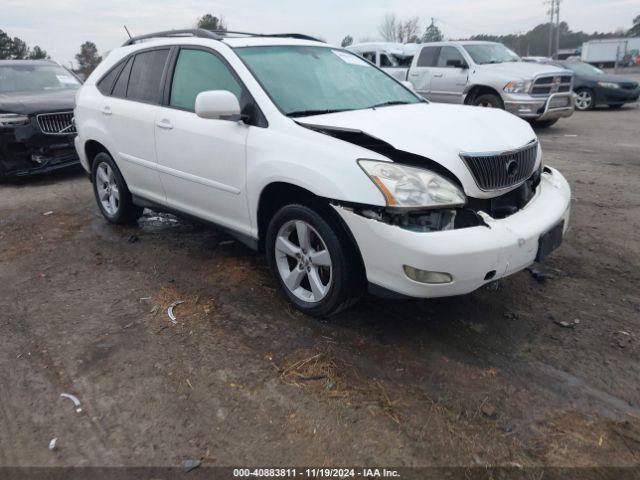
(457, 64)
(218, 105)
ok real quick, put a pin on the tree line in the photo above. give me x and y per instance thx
(17, 49)
(534, 42)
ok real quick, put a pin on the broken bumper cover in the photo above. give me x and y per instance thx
(468, 255)
(25, 150)
(557, 105)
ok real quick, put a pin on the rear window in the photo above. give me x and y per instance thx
(428, 56)
(146, 76)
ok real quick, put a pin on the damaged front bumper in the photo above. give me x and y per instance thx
(26, 150)
(471, 256)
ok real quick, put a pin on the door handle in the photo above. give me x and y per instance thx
(165, 124)
(438, 75)
(106, 110)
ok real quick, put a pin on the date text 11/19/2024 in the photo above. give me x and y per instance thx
(315, 473)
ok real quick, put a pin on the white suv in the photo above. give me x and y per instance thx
(341, 174)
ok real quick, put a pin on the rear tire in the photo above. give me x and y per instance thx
(488, 100)
(111, 191)
(585, 99)
(317, 267)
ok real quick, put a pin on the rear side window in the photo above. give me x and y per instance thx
(428, 56)
(120, 88)
(146, 76)
(371, 56)
(106, 84)
(198, 71)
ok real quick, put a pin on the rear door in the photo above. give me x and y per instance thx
(129, 115)
(448, 77)
(202, 162)
(420, 72)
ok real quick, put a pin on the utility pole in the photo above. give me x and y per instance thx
(557, 27)
(551, 12)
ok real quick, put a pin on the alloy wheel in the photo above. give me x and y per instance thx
(584, 99)
(108, 192)
(303, 261)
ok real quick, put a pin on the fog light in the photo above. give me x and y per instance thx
(425, 276)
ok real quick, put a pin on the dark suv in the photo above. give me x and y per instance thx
(37, 98)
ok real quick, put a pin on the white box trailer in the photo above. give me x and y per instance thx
(608, 52)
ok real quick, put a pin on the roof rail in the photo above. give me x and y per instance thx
(298, 36)
(193, 32)
(214, 35)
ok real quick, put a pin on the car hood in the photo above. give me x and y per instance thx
(523, 70)
(608, 78)
(28, 103)
(435, 133)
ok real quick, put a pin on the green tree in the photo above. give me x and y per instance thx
(432, 33)
(5, 46)
(635, 30)
(346, 41)
(19, 49)
(211, 22)
(88, 58)
(38, 54)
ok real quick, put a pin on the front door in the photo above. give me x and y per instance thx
(449, 76)
(202, 162)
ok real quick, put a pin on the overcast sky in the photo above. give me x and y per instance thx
(60, 26)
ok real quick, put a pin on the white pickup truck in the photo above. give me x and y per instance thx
(488, 74)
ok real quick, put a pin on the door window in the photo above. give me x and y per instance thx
(199, 71)
(146, 76)
(385, 61)
(449, 53)
(371, 56)
(428, 56)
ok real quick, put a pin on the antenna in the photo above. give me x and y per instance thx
(127, 30)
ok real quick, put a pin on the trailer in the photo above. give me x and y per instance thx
(611, 52)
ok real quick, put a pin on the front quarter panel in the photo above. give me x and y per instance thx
(323, 165)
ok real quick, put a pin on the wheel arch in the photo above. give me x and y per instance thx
(476, 90)
(93, 148)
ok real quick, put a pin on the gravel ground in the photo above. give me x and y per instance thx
(492, 378)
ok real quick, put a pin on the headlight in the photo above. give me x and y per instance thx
(609, 84)
(404, 186)
(517, 86)
(12, 119)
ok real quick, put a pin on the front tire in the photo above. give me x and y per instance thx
(314, 262)
(585, 100)
(111, 191)
(488, 100)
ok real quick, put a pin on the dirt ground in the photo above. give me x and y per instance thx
(492, 378)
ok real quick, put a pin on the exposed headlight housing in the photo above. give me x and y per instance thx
(13, 119)
(609, 85)
(517, 86)
(403, 186)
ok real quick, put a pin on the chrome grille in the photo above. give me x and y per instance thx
(497, 171)
(543, 86)
(60, 123)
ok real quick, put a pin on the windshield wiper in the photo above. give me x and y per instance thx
(390, 103)
(308, 113)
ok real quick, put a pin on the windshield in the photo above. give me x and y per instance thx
(483, 53)
(305, 80)
(583, 68)
(35, 78)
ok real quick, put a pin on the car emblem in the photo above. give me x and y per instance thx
(512, 168)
